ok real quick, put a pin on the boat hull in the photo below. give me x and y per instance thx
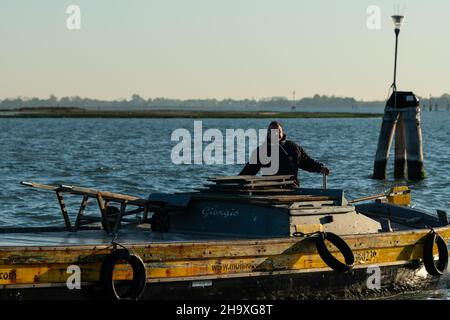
(284, 268)
(308, 284)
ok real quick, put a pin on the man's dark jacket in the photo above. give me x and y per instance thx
(291, 158)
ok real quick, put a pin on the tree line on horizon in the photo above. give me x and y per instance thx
(136, 101)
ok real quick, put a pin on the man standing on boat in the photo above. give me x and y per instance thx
(291, 157)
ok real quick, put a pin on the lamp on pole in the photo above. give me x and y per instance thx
(398, 20)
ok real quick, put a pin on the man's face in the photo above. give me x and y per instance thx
(279, 131)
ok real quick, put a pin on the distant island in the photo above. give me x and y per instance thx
(317, 103)
(72, 112)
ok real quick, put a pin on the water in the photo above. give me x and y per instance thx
(133, 156)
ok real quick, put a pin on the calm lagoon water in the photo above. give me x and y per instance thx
(133, 156)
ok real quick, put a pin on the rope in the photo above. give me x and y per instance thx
(116, 244)
(300, 234)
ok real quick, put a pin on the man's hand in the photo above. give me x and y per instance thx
(325, 171)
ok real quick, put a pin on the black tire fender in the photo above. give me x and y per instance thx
(138, 282)
(328, 258)
(439, 268)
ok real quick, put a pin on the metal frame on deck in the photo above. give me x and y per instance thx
(111, 221)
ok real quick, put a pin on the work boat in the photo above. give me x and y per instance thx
(235, 237)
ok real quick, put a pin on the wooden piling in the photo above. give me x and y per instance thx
(400, 149)
(402, 115)
(384, 144)
(414, 146)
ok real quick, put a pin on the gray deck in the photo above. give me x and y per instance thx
(98, 237)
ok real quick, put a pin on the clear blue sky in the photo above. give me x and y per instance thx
(219, 49)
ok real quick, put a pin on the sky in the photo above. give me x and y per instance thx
(195, 49)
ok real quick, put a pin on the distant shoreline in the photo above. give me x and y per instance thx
(181, 114)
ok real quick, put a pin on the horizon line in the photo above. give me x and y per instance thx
(260, 99)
